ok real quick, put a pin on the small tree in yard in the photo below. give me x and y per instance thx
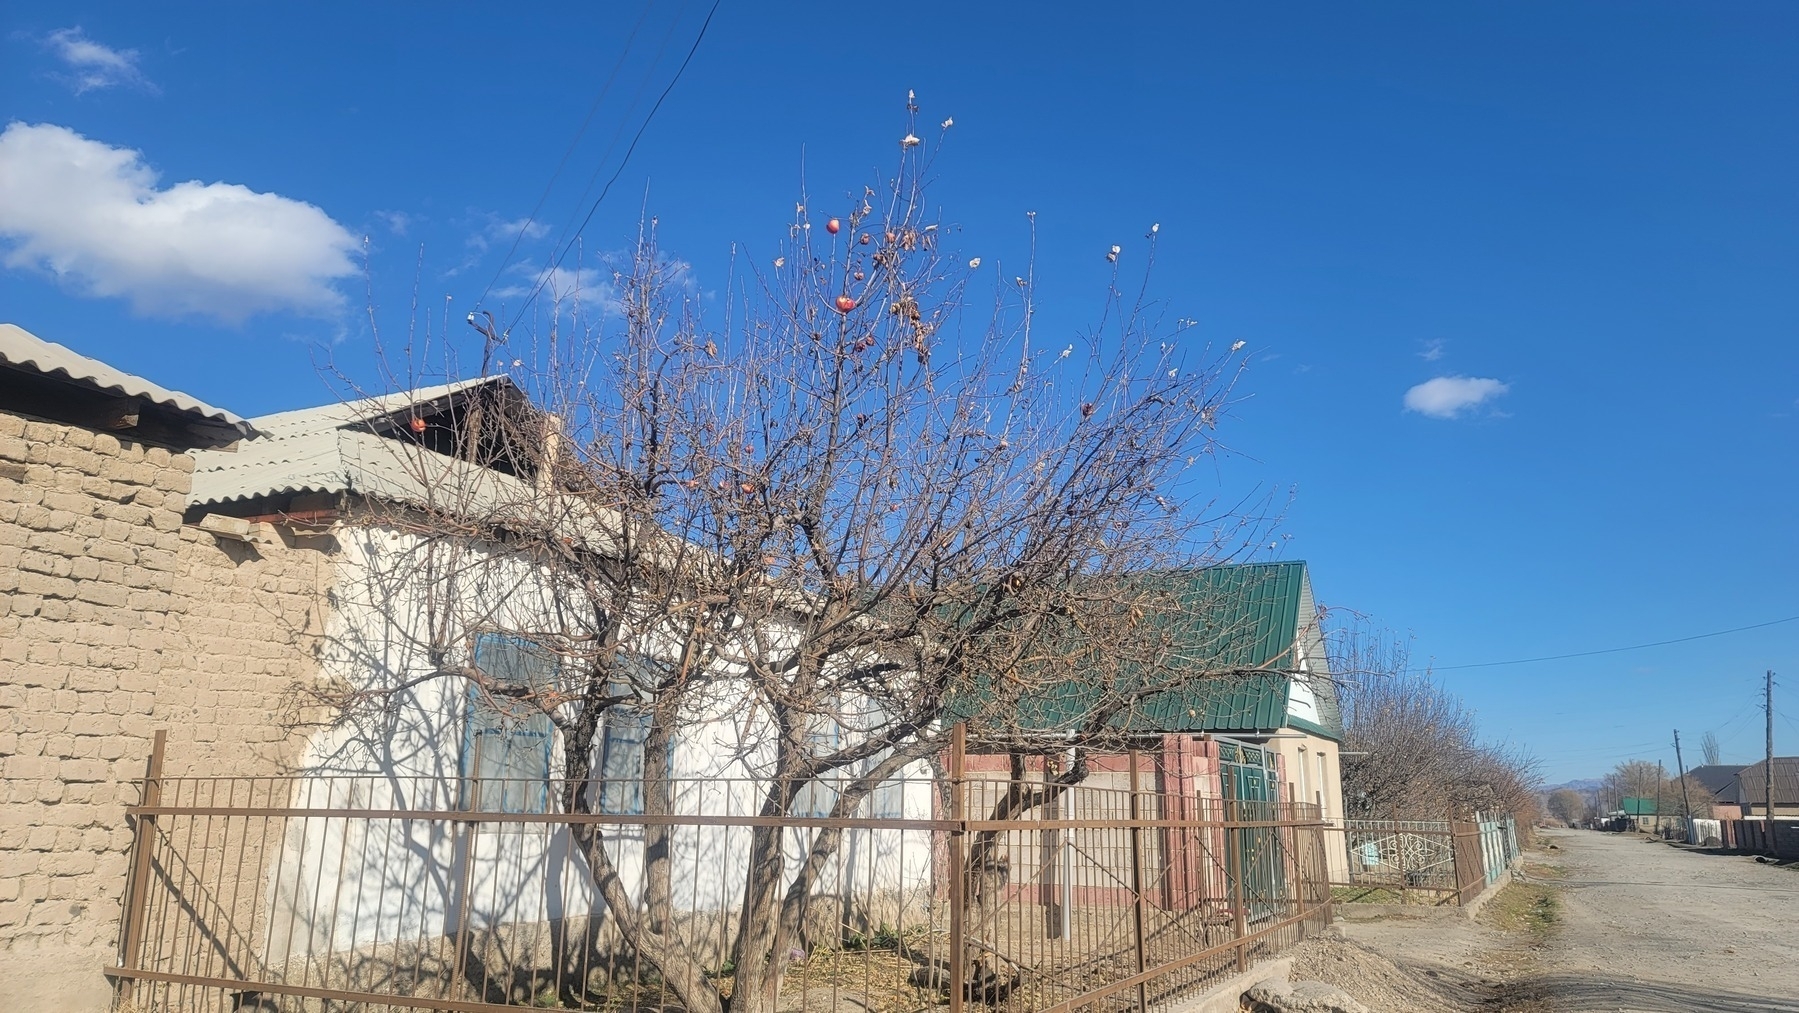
(856, 503)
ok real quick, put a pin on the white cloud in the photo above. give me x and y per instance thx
(93, 66)
(92, 215)
(589, 284)
(1446, 397)
(503, 233)
(1433, 350)
(397, 222)
(559, 284)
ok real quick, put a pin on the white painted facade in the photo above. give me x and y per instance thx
(346, 883)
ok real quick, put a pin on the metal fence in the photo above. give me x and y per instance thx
(377, 893)
(1425, 861)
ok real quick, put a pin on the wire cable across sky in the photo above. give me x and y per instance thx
(556, 261)
(1616, 650)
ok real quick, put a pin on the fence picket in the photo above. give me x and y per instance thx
(414, 893)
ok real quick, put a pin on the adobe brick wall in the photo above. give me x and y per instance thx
(115, 621)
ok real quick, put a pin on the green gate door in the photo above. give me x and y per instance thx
(1251, 791)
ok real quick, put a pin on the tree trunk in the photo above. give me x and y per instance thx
(679, 970)
(758, 979)
(658, 839)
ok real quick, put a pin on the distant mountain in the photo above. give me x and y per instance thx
(1584, 784)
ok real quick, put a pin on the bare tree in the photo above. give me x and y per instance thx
(1645, 780)
(1629, 779)
(1687, 799)
(1567, 805)
(856, 503)
(1412, 750)
(1709, 752)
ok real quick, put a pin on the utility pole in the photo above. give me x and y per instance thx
(1686, 802)
(1658, 797)
(1768, 787)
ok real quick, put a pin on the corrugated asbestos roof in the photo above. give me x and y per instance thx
(424, 400)
(1752, 781)
(24, 350)
(1719, 779)
(324, 449)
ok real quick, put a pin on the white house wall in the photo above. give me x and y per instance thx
(346, 883)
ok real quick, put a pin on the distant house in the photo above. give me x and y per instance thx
(1744, 794)
(1637, 813)
(1715, 778)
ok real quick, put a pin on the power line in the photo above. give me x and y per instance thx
(605, 89)
(557, 261)
(1741, 713)
(612, 142)
(1615, 650)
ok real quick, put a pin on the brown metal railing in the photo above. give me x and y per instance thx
(1430, 862)
(323, 893)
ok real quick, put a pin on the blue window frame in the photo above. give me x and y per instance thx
(506, 743)
(889, 799)
(624, 731)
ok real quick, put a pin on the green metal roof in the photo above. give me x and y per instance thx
(1236, 627)
(1634, 806)
(1246, 616)
(1249, 702)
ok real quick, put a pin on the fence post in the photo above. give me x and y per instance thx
(143, 842)
(1136, 812)
(472, 830)
(958, 751)
(1330, 895)
(1233, 868)
(1305, 860)
(1405, 878)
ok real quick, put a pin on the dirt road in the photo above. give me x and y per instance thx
(1623, 925)
(1647, 927)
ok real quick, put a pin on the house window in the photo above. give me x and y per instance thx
(889, 799)
(1324, 786)
(624, 731)
(506, 741)
(817, 797)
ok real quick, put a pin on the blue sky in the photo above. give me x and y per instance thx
(1570, 231)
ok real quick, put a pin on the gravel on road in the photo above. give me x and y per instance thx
(1638, 927)
(1644, 926)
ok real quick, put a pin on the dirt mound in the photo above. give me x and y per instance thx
(1381, 984)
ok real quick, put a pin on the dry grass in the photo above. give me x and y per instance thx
(1391, 895)
(877, 979)
(1366, 895)
(1530, 908)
